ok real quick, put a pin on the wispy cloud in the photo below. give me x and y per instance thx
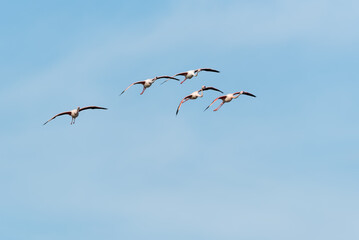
(320, 23)
(199, 174)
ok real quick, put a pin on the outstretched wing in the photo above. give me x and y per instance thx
(183, 100)
(92, 107)
(249, 94)
(221, 97)
(63, 113)
(207, 70)
(245, 93)
(184, 74)
(211, 88)
(169, 77)
(181, 74)
(140, 82)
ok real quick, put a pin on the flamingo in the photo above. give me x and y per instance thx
(193, 73)
(147, 83)
(195, 95)
(75, 113)
(229, 97)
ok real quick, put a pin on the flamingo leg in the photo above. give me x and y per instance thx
(220, 105)
(184, 80)
(143, 90)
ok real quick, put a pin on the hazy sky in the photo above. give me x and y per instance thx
(280, 166)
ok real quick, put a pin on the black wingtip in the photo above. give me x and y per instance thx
(249, 94)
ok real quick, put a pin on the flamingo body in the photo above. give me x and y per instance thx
(228, 98)
(196, 94)
(148, 83)
(75, 113)
(190, 74)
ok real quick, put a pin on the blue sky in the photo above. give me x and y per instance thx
(281, 166)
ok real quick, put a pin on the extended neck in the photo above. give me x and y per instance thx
(201, 92)
(239, 94)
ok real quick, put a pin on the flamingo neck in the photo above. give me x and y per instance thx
(201, 92)
(234, 97)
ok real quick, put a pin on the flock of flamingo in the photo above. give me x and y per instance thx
(148, 82)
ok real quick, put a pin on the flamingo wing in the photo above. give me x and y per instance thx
(245, 93)
(249, 94)
(221, 97)
(181, 74)
(140, 82)
(207, 70)
(92, 107)
(212, 88)
(169, 77)
(183, 100)
(63, 113)
(184, 74)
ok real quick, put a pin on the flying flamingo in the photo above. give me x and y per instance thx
(75, 113)
(148, 82)
(193, 73)
(228, 98)
(195, 95)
